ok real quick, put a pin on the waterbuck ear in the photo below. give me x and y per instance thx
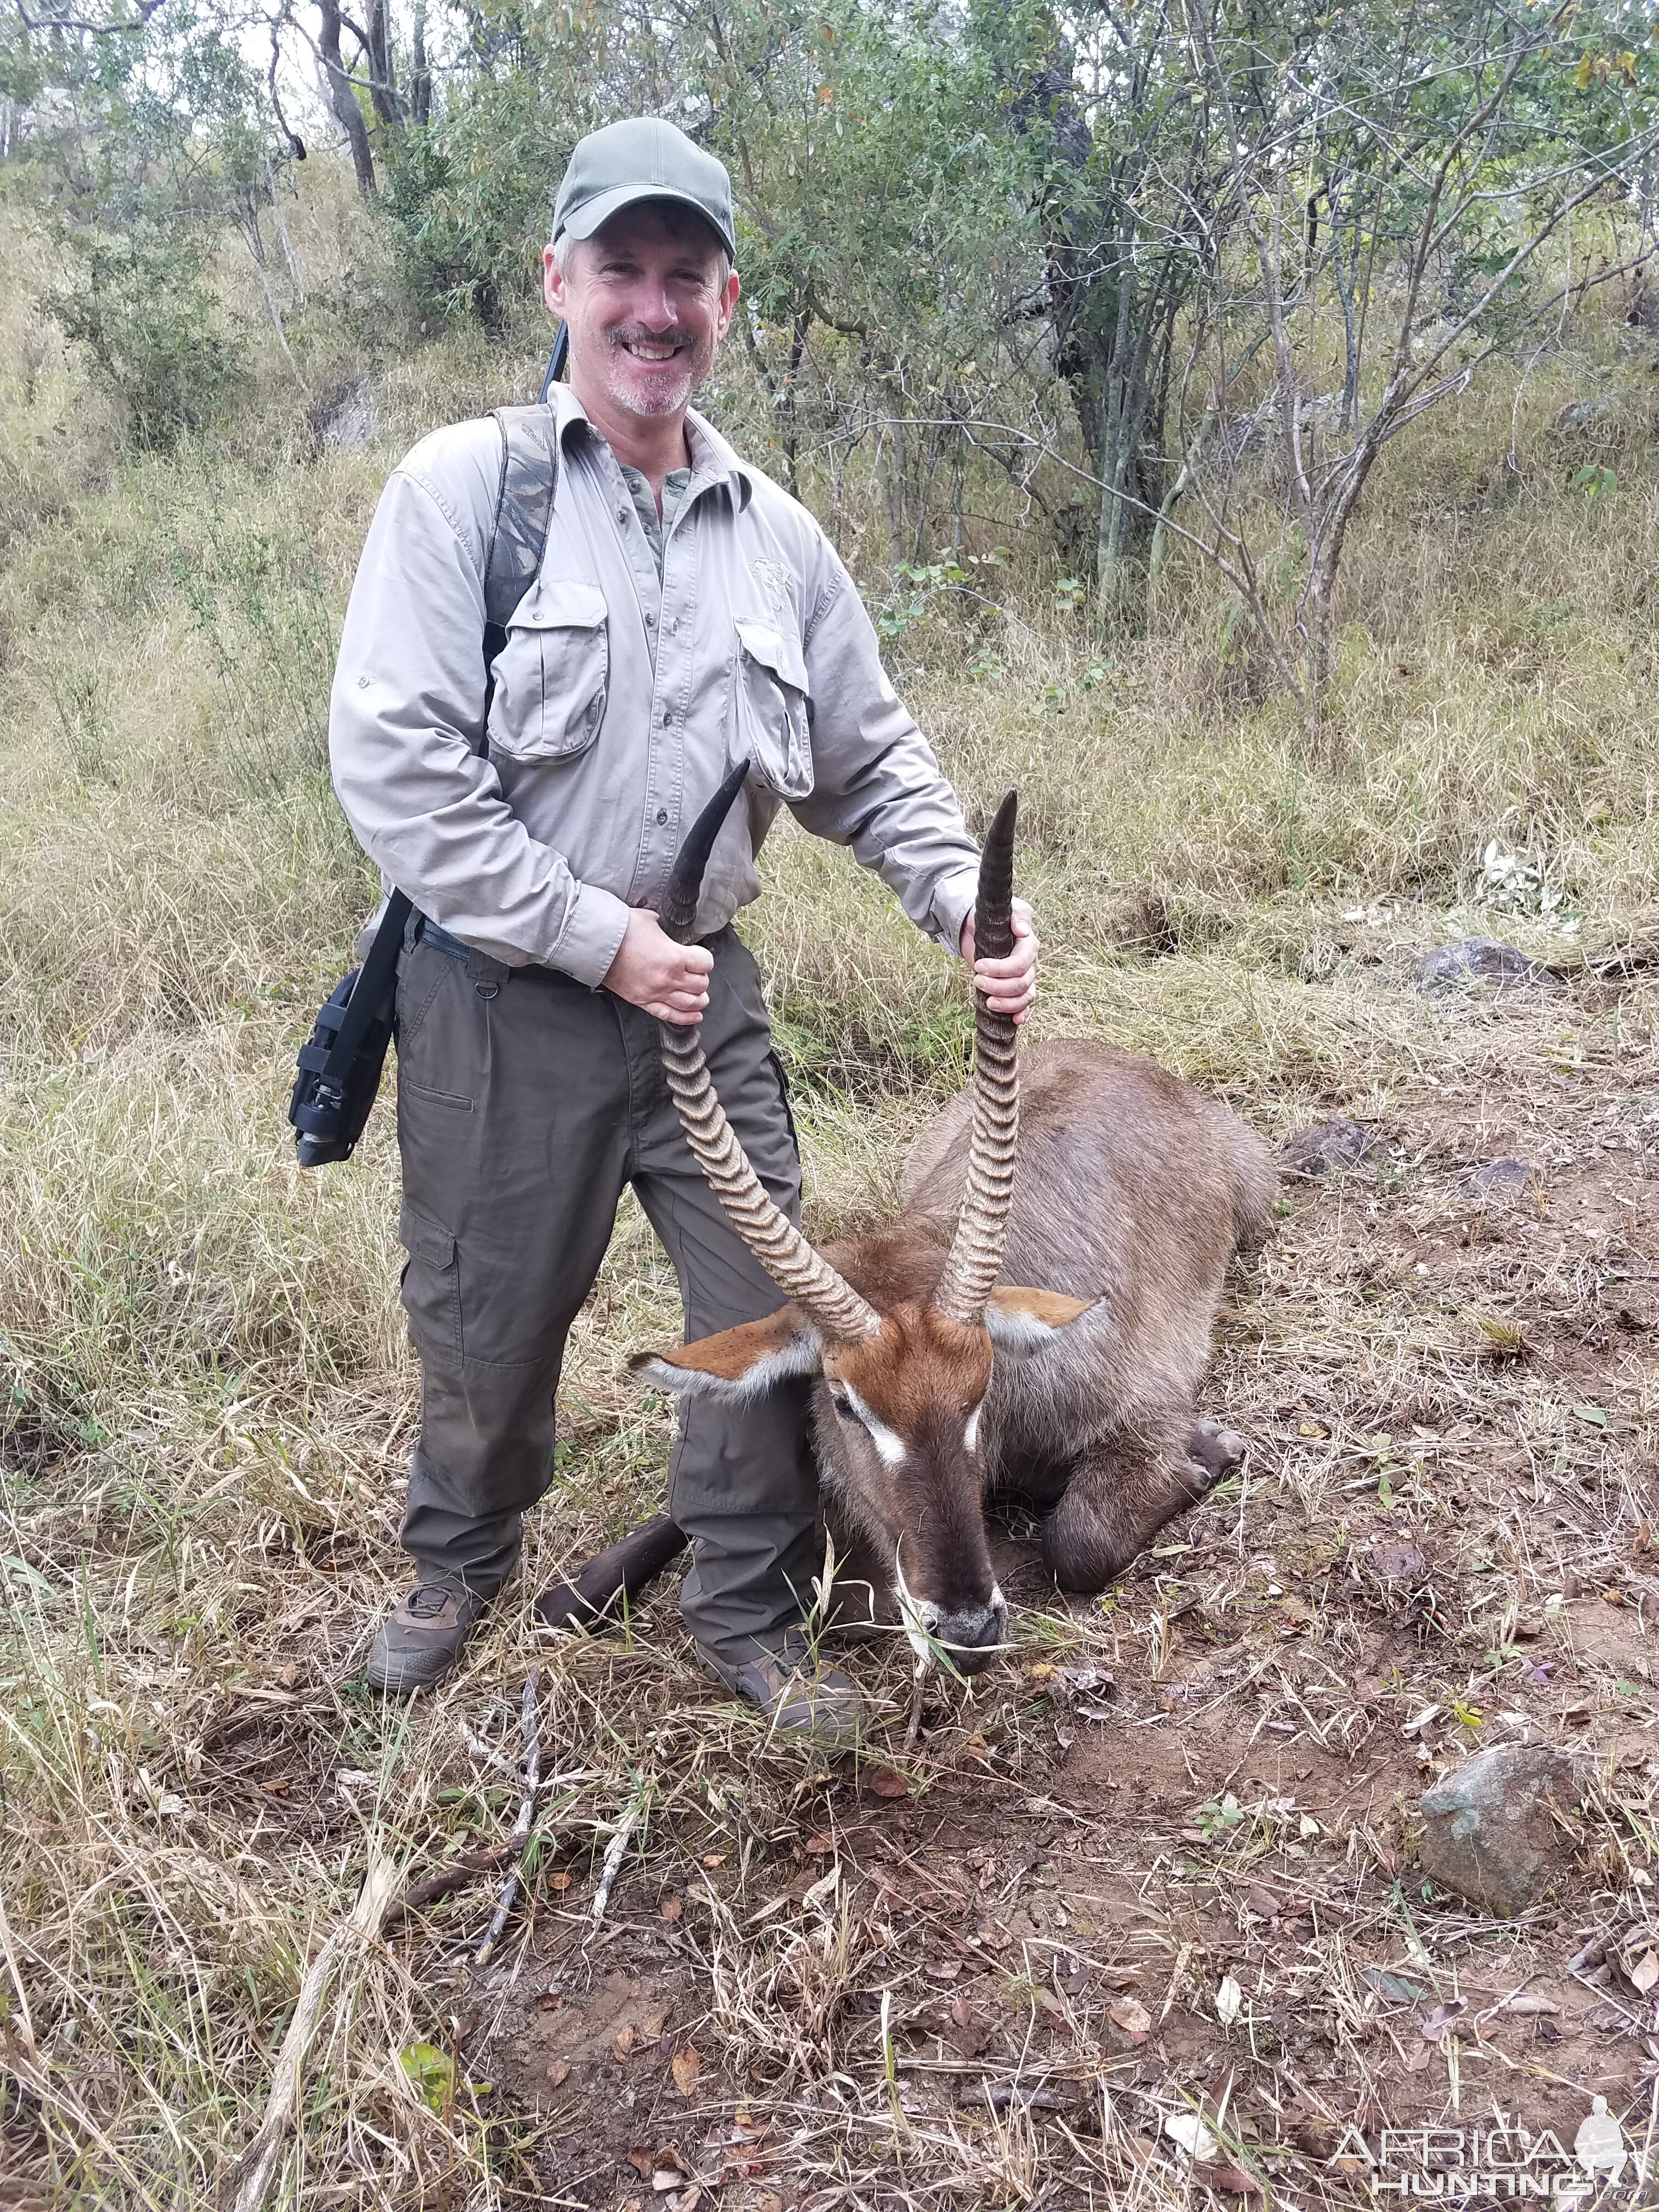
(739, 1364)
(1020, 1321)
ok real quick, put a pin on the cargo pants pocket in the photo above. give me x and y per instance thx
(431, 1283)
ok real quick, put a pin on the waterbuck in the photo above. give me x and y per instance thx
(1035, 1323)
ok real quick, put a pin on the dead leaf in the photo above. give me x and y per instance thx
(653, 2023)
(642, 2162)
(1231, 2182)
(558, 2071)
(691, 2199)
(714, 1858)
(1435, 2025)
(624, 2039)
(1132, 2018)
(1545, 2006)
(685, 2066)
(671, 1908)
(969, 2030)
(1229, 2001)
(559, 1882)
(1194, 2137)
(820, 1845)
(1644, 1971)
(665, 2178)
(768, 2200)
(885, 1782)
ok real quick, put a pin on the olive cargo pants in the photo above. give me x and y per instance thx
(525, 1104)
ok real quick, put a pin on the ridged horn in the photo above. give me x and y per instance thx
(785, 1253)
(679, 906)
(976, 1256)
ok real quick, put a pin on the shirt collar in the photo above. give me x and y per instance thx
(712, 459)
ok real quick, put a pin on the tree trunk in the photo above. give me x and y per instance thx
(420, 82)
(382, 69)
(343, 96)
(788, 418)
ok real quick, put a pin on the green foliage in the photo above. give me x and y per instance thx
(147, 141)
(469, 196)
(139, 304)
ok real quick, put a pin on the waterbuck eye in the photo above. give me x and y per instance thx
(842, 1406)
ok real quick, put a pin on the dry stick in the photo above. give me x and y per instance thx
(520, 1836)
(618, 1846)
(913, 1727)
(258, 2164)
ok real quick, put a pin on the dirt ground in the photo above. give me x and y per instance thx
(1143, 1919)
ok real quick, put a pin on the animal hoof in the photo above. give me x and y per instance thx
(1215, 1451)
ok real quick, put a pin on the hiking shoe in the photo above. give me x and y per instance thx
(804, 1698)
(420, 1640)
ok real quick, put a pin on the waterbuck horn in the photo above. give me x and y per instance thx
(976, 1256)
(840, 1313)
(679, 906)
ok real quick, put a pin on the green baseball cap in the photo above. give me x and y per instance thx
(642, 159)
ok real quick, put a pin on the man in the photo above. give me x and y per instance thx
(687, 614)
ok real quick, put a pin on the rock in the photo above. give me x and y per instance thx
(1582, 417)
(1500, 1179)
(1327, 1147)
(346, 420)
(1489, 1830)
(1477, 960)
(1398, 1563)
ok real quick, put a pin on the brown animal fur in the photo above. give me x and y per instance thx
(1130, 1194)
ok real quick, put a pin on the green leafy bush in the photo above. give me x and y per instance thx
(139, 306)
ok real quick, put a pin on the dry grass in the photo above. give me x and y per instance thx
(209, 1396)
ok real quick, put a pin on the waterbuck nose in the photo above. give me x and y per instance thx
(971, 1637)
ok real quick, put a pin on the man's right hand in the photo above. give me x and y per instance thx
(650, 970)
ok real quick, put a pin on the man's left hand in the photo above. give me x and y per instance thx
(1010, 985)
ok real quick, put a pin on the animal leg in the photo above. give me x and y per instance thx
(1121, 1494)
(1218, 1450)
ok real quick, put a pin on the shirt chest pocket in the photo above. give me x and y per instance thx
(553, 673)
(774, 708)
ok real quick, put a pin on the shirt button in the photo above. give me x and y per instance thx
(662, 816)
(622, 515)
(362, 683)
(650, 621)
(667, 716)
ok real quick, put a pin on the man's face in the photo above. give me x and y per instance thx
(646, 307)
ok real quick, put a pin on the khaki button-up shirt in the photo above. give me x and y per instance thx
(623, 696)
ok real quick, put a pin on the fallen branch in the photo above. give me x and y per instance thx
(616, 1847)
(520, 1836)
(257, 2166)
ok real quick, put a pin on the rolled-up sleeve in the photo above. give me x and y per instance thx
(406, 716)
(876, 784)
